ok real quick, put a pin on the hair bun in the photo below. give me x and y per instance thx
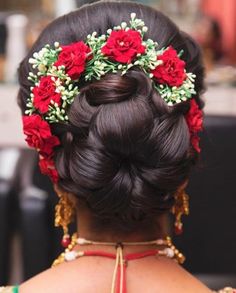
(115, 88)
(125, 117)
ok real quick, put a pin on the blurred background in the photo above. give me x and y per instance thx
(28, 240)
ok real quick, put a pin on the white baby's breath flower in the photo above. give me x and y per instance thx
(159, 62)
(152, 67)
(103, 37)
(32, 61)
(42, 67)
(144, 29)
(123, 24)
(133, 15)
(56, 45)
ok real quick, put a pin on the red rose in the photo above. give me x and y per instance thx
(44, 93)
(195, 139)
(171, 71)
(47, 167)
(194, 119)
(73, 57)
(38, 134)
(123, 46)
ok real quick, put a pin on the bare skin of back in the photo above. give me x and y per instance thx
(94, 274)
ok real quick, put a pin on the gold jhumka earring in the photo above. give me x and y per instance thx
(180, 208)
(64, 214)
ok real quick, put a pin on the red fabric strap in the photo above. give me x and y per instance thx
(130, 256)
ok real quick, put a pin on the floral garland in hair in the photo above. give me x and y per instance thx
(60, 69)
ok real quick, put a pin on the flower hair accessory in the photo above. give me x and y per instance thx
(58, 70)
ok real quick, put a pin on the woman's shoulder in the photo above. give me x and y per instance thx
(50, 280)
(183, 281)
(66, 277)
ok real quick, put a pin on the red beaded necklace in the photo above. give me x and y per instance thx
(166, 248)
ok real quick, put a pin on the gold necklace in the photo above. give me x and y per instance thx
(69, 254)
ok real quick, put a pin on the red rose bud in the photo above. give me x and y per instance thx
(73, 57)
(171, 71)
(44, 93)
(47, 167)
(195, 140)
(194, 119)
(123, 46)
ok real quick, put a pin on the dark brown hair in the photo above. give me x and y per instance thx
(125, 152)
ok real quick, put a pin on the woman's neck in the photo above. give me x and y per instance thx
(88, 230)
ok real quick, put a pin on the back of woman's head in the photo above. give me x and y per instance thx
(124, 151)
